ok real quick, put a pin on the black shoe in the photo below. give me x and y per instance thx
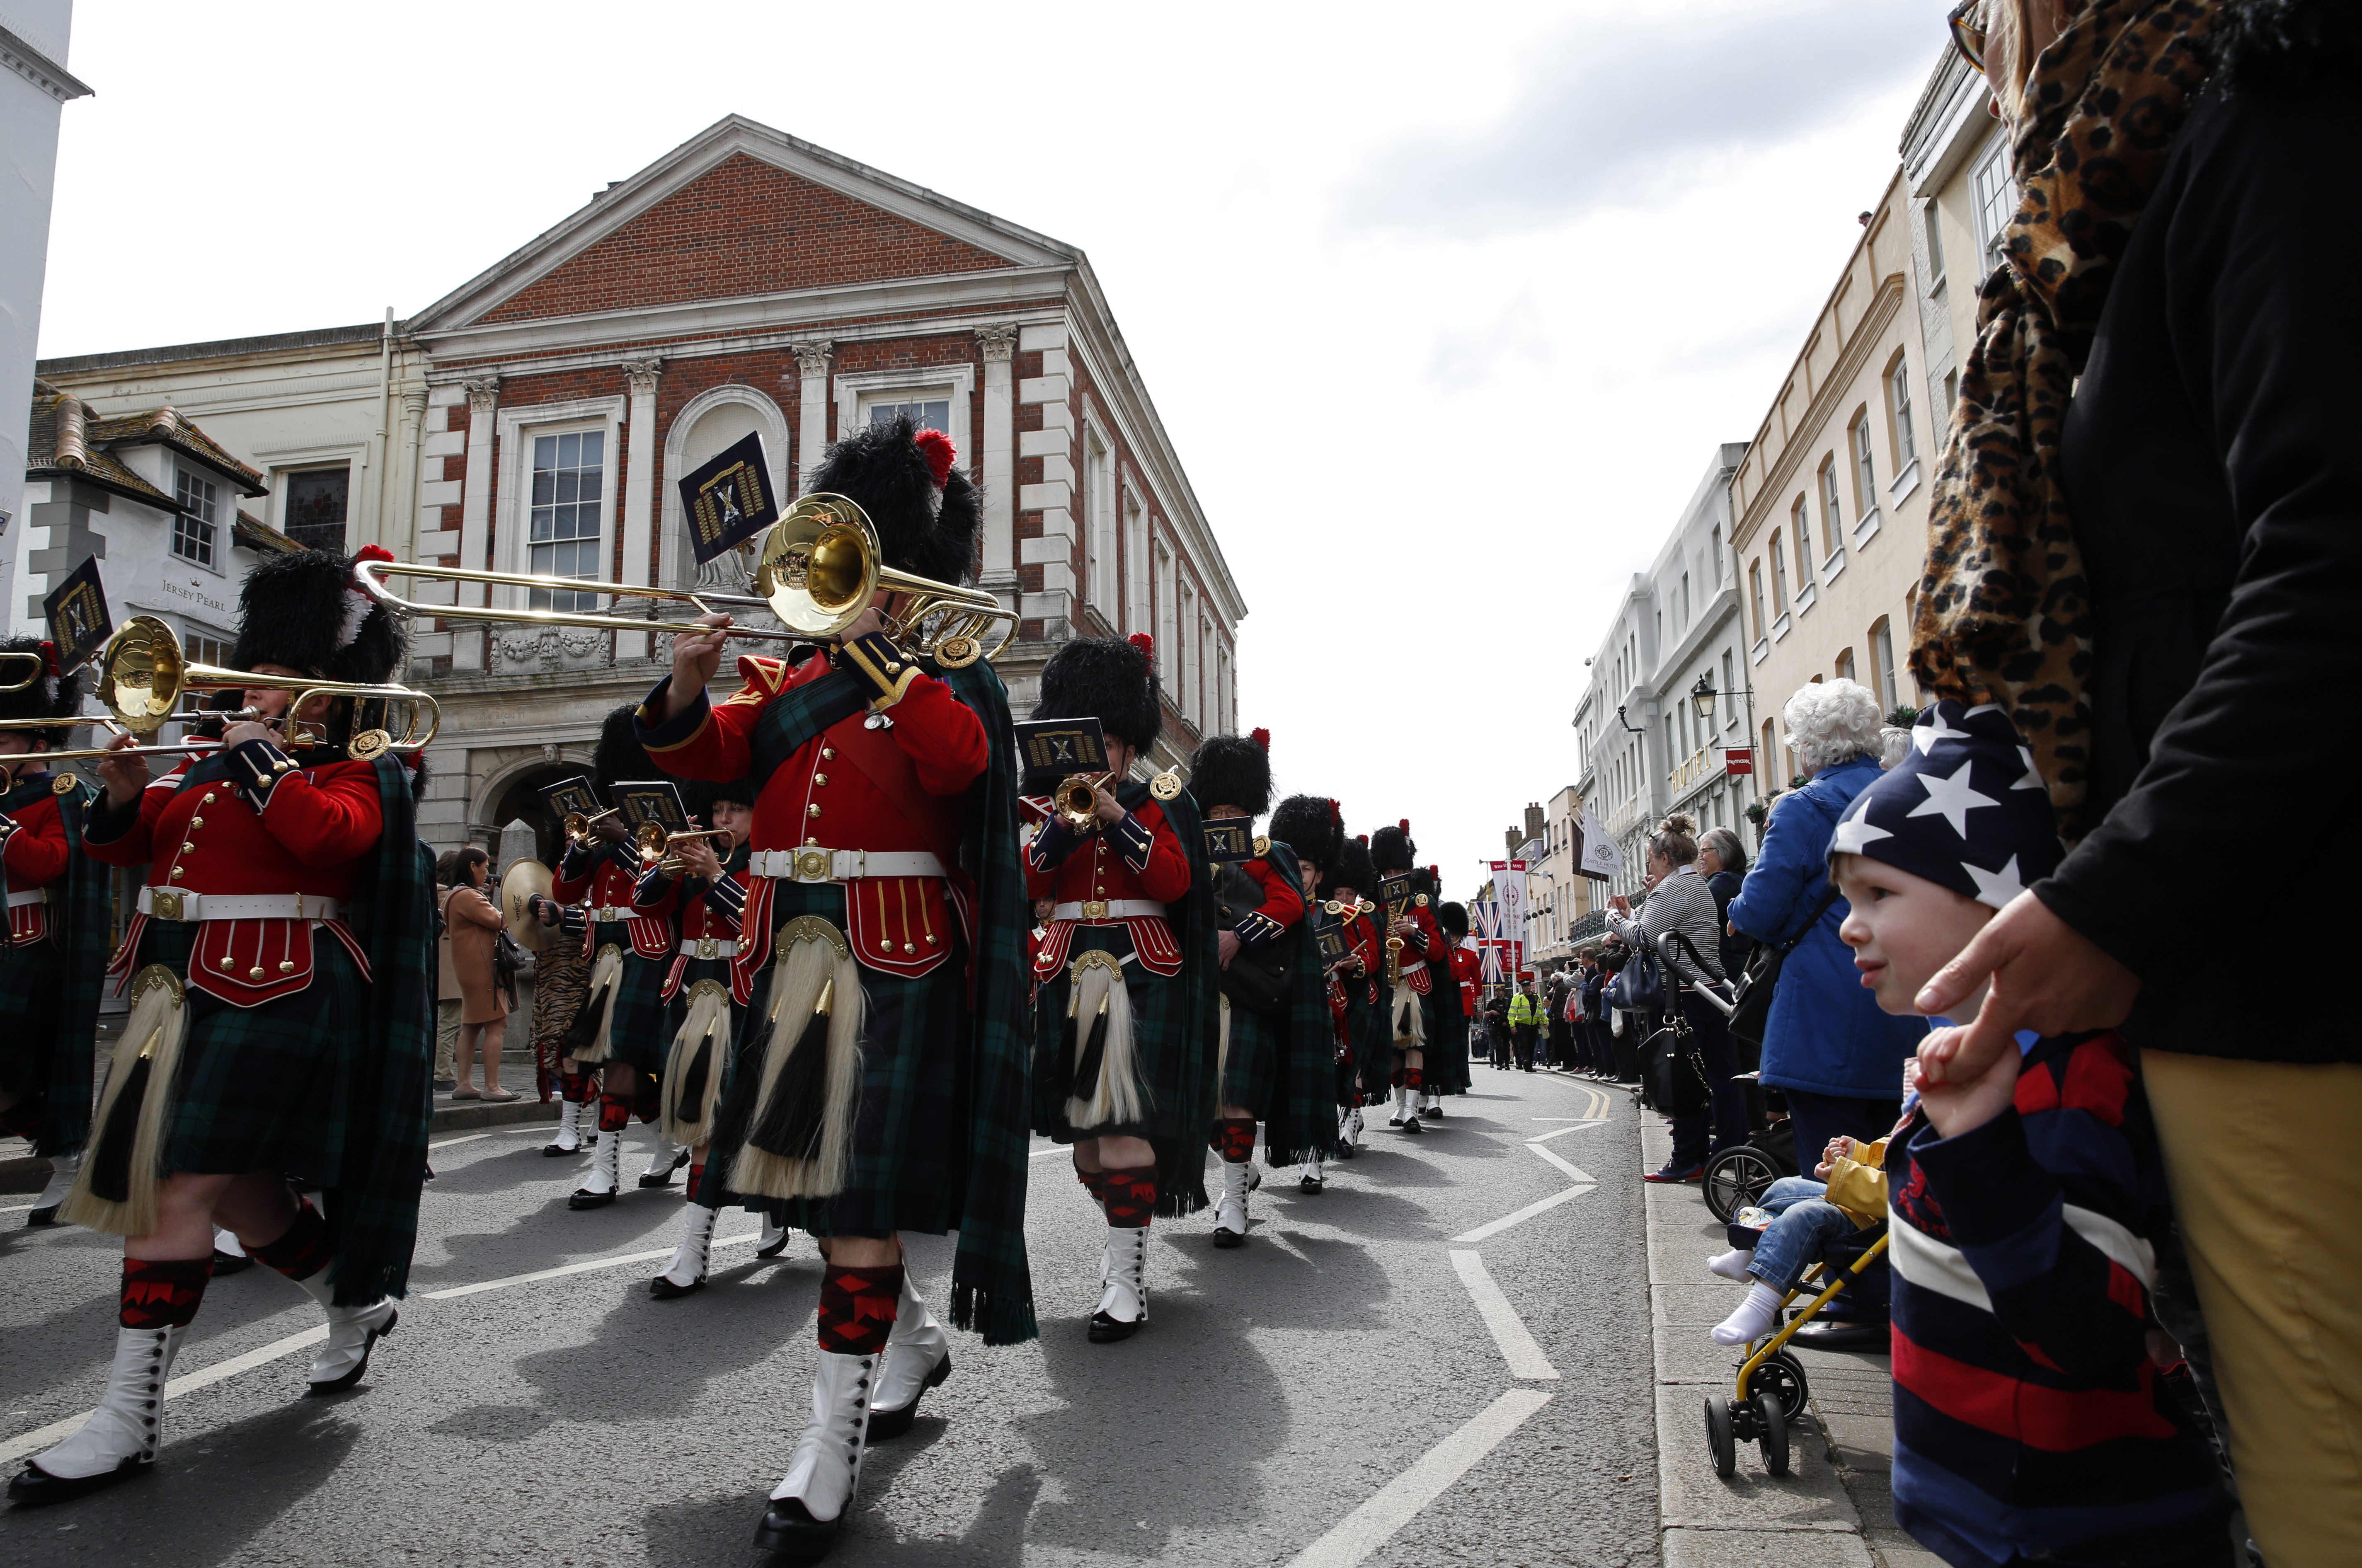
(583, 1197)
(1412, 1125)
(1106, 1331)
(556, 1151)
(339, 1385)
(35, 1488)
(1840, 1336)
(230, 1263)
(1310, 1186)
(888, 1424)
(43, 1216)
(1433, 1113)
(1228, 1238)
(776, 1248)
(664, 1176)
(789, 1532)
(664, 1290)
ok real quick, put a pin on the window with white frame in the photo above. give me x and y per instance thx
(1729, 690)
(1832, 514)
(1934, 218)
(196, 526)
(1136, 564)
(563, 536)
(1755, 592)
(1803, 531)
(1098, 523)
(1882, 646)
(1717, 555)
(1778, 576)
(926, 413)
(1185, 684)
(1865, 472)
(1167, 624)
(1898, 384)
(1994, 189)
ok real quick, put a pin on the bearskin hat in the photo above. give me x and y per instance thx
(1353, 868)
(1233, 771)
(1112, 679)
(303, 610)
(738, 792)
(619, 757)
(1391, 849)
(926, 512)
(1422, 880)
(1308, 824)
(1453, 918)
(50, 696)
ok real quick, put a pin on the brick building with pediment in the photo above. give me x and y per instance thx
(537, 418)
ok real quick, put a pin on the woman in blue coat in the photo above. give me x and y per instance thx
(1826, 1046)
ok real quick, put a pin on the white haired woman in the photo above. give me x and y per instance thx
(1826, 1046)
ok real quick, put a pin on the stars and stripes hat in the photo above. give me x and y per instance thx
(1965, 806)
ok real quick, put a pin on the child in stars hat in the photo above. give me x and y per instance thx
(2031, 1420)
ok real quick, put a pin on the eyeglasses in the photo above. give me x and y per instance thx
(1967, 22)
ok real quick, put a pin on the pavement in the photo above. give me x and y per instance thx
(1446, 1357)
(1835, 1509)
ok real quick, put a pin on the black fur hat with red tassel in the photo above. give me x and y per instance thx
(1310, 825)
(1232, 770)
(1392, 850)
(926, 510)
(303, 610)
(1353, 868)
(1113, 679)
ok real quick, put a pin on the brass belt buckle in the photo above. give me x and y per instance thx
(1095, 909)
(812, 865)
(164, 904)
(707, 947)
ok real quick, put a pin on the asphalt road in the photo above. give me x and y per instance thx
(1335, 1392)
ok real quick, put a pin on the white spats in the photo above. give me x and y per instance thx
(774, 1239)
(606, 1157)
(1309, 1179)
(1752, 1320)
(60, 1182)
(1230, 1208)
(123, 1432)
(569, 1130)
(1123, 1285)
(918, 1357)
(352, 1330)
(686, 1272)
(663, 1160)
(826, 1464)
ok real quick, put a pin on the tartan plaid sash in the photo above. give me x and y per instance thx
(1188, 1024)
(78, 924)
(802, 712)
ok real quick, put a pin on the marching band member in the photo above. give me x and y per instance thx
(283, 1014)
(883, 940)
(1368, 1056)
(1446, 1069)
(1454, 1005)
(1299, 1126)
(53, 952)
(1411, 937)
(626, 1023)
(1124, 1015)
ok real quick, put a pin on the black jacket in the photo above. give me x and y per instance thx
(1723, 885)
(2213, 459)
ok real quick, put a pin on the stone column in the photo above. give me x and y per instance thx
(998, 470)
(470, 646)
(811, 434)
(641, 461)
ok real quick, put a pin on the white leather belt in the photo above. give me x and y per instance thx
(709, 947)
(612, 913)
(37, 896)
(1107, 909)
(813, 864)
(171, 903)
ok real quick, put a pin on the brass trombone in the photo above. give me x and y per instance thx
(31, 675)
(817, 569)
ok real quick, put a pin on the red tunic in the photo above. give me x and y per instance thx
(316, 836)
(610, 887)
(35, 859)
(885, 791)
(1422, 944)
(1282, 906)
(1466, 968)
(707, 914)
(1117, 864)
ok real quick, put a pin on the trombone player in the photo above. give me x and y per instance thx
(53, 948)
(884, 941)
(281, 1023)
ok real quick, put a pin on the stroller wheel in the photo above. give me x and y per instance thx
(1781, 1380)
(1737, 1178)
(1720, 1436)
(1775, 1434)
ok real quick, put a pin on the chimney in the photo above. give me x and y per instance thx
(1512, 841)
(1537, 819)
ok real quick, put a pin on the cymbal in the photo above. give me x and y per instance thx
(526, 880)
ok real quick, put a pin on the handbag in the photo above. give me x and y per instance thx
(1640, 986)
(1673, 1069)
(1751, 1003)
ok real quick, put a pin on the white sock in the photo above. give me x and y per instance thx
(1752, 1320)
(1731, 1265)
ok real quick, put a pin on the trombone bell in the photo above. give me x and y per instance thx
(820, 563)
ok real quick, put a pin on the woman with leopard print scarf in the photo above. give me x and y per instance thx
(2146, 546)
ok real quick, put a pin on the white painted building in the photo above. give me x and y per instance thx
(35, 87)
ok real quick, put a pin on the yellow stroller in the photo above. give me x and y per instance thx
(1770, 1394)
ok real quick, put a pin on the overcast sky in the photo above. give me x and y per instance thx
(1444, 310)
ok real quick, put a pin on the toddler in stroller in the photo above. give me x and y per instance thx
(1796, 1224)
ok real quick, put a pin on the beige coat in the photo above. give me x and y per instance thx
(471, 928)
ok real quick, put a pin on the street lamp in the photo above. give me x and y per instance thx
(1703, 697)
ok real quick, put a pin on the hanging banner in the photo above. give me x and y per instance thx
(1509, 891)
(1485, 931)
(1601, 858)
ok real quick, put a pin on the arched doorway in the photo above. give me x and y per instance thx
(519, 800)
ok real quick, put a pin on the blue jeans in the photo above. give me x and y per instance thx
(1794, 1241)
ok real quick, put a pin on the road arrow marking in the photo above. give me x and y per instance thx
(1518, 1346)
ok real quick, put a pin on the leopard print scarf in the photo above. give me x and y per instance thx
(2003, 613)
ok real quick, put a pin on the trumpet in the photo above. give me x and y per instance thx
(817, 569)
(34, 672)
(657, 845)
(578, 827)
(1077, 800)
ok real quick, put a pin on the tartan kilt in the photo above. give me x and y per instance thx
(1374, 1050)
(910, 1121)
(1252, 1069)
(271, 1087)
(1447, 1069)
(641, 1029)
(32, 988)
(1155, 1041)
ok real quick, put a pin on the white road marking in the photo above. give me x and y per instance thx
(495, 1132)
(1046, 1153)
(1562, 1165)
(1398, 1502)
(1518, 1346)
(1559, 1132)
(16, 1208)
(592, 1267)
(1528, 1212)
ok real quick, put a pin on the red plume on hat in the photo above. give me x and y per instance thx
(937, 448)
(1261, 737)
(1404, 825)
(1144, 642)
